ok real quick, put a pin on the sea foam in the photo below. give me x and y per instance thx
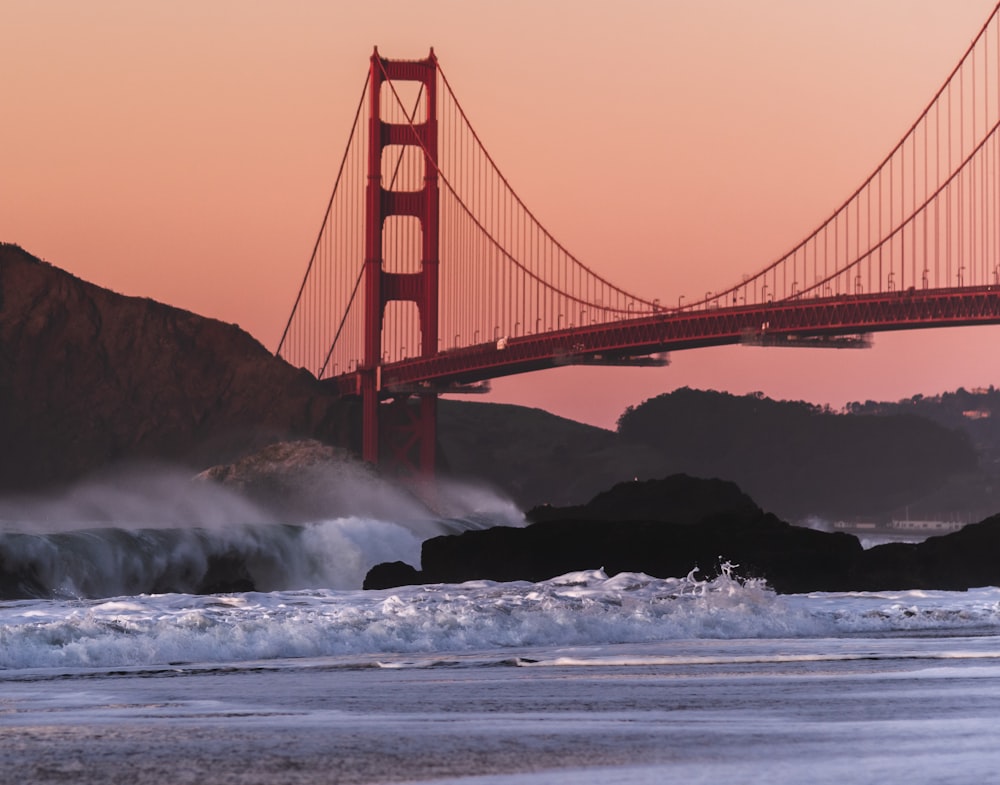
(498, 620)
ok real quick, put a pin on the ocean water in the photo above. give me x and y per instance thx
(582, 678)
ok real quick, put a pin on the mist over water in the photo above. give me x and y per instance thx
(155, 529)
(148, 497)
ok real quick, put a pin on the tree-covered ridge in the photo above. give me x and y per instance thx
(800, 459)
(975, 412)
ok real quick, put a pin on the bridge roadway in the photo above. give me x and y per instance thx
(786, 322)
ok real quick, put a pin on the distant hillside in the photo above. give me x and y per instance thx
(89, 377)
(794, 458)
(797, 459)
(975, 412)
(536, 457)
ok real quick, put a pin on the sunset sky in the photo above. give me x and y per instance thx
(185, 151)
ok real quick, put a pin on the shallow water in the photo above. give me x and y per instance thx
(626, 680)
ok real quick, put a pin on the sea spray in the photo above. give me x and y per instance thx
(153, 530)
(146, 496)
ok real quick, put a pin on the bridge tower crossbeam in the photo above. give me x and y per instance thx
(414, 429)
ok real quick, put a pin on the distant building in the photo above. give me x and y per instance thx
(926, 526)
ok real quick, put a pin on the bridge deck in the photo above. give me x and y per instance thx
(675, 330)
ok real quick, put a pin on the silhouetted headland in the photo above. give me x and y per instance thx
(665, 528)
(89, 377)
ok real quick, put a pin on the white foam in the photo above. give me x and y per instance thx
(584, 609)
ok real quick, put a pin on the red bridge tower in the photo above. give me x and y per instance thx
(408, 428)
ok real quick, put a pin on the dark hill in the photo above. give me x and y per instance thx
(976, 412)
(89, 377)
(798, 459)
(536, 457)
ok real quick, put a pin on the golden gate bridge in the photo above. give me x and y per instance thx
(430, 275)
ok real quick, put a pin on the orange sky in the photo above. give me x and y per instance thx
(185, 151)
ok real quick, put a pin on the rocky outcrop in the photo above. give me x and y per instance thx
(306, 480)
(678, 499)
(89, 377)
(961, 560)
(295, 478)
(389, 575)
(663, 528)
(668, 527)
(790, 558)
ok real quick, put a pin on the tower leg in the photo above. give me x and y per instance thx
(369, 419)
(428, 434)
(411, 435)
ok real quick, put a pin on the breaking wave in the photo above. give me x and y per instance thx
(566, 621)
(157, 531)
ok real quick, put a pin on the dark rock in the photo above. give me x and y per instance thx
(388, 575)
(20, 580)
(225, 574)
(677, 499)
(961, 560)
(719, 524)
(304, 480)
(965, 558)
(790, 558)
(297, 480)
